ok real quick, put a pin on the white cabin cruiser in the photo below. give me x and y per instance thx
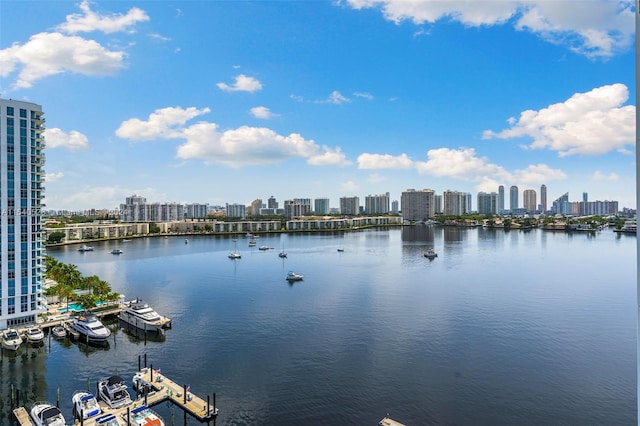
(144, 416)
(90, 329)
(139, 314)
(113, 392)
(85, 405)
(11, 339)
(47, 414)
(292, 276)
(108, 420)
(34, 334)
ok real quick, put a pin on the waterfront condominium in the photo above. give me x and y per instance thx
(417, 205)
(21, 195)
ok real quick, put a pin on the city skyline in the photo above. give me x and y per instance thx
(231, 101)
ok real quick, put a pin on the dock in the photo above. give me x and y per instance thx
(388, 421)
(23, 417)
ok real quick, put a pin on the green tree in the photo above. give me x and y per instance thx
(55, 237)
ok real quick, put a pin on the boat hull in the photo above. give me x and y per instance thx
(138, 323)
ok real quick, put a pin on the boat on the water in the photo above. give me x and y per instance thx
(264, 248)
(11, 339)
(234, 254)
(430, 253)
(47, 414)
(59, 332)
(252, 243)
(108, 420)
(34, 334)
(144, 416)
(85, 405)
(282, 254)
(113, 391)
(139, 314)
(116, 251)
(85, 247)
(292, 276)
(89, 328)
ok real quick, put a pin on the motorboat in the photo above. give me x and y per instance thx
(113, 391)
(235, 255)
(116, 251)
(59, 332)
(108, 420)
(142, 386)
(139, 314)
(292, 276)
(47, 414)
(34, 334)
(85, 405)
(340, 250)
(264, 248)
(144, 416)
(11, 339)
(89, 328)
(430, 254)
(85, 247)
(282, 254)
(252, 243)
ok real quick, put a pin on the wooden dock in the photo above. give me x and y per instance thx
(388, 421)
(23, 417)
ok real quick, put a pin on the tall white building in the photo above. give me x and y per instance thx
(321, 206)
(21, 196)
(417, 205)
(350, 205)
(376, 204)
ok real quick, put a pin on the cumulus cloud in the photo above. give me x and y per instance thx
(599, 176)
(461, 164)
(376, 178)
(335, 98)
(349, 186)
(89, 21)
(52, 177)
(242, 84)
(595, 28)
(364, 95)
(537, 173)
(591, 123)
(262, 112)
(165, 123)
(329, 157)
(74, 140)
(384, 161)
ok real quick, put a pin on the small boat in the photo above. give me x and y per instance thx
(34, 334)
(186, 241)
(11, 339)
(252, 243)
(139, 314)
(47, 414)
(234, 255)
(116, 251)
(113, 392)
(292, 276)
(108, 420)
(340, 250)
(282, 254)
(59, 332)
(430, 254)
(263, 248)
(89, 328)
(126, 241)
(85, 405)
(84, 248)
(144, 416)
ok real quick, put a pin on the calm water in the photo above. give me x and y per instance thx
(503, 328)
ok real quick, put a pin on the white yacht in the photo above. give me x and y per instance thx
(109, 420)
(292, 276)
(139, 314)
(144, 416)
(113, 392)
(85, 247)
(47, 414)
(85, 405)
(430, 254)
(89, 328)
(34, 334)
(11, 339)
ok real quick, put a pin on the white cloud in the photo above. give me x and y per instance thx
(376, 178)
(335, 98)
(52, 177)
(159, 37)
(599, 176)
(349, 186)
(242, 84)
(591, 123)
(329, 157)
(594, 28)
(364, 95)
(47, 54)
(461, 164)
(74, 140)
(384, 161)
(262, 112)
(90, 21)
(537, 174)
(165, 123)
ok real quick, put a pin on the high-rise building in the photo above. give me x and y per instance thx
(350, 205)
(500, 198)
(513, 197)
(21, 195)
(236, 210)
(255, 206)
(376, 204)
(196, 211)
(272, 203)
(395, 207)
(585, 197)
(454, 203)
(321, 206)
(488, 203)
(296, 208)
(529, 200)
(417, 205)
(543, 198)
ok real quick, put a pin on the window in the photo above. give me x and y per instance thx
(9, 110)
(23, 113)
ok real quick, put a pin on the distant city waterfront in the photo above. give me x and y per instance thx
(501, 328)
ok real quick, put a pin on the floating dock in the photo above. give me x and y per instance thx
(388, 421)
(23, 417)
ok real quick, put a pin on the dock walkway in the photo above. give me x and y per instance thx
(23, 417)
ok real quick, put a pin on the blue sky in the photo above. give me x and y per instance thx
(229, 101)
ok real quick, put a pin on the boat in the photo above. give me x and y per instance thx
(126, 241)
(186, 241)
(144, 416)
(340, 250)
(85, 405)
(252, 243)
(116, 251)
(282, 254)
(141, 315)
(11, 339)
(263, 248)
(292, 276)
(108, 420)
(59, 332)
(430, 254)
(113, 392)
(85, 247)
(34, 334)
(89, 328)
(234, 254)
(47, 414)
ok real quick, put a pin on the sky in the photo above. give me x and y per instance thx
(231, 101)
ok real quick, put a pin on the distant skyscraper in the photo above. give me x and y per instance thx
(376, 204)
(395, 207)
(513, 197)
(529, 200)
(349, 205)
(321, 206)
(417, 205)
(454, 203)
(543, 197)
(272, 203)
(500, 198)
(21, 194)
(488, 203)
(585, 197)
